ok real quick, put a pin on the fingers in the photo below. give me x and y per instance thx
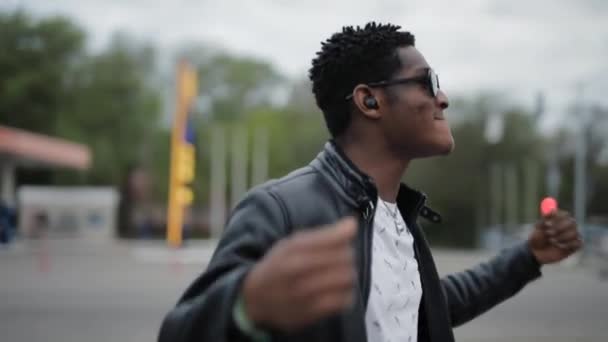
(569, 239)
(564, 236)
(327, 291)
(565, 228)
(324, 261)
(552, 219)
(561, 224)
(570, 245)
(561, 230)
(331, 303)
(337, 282)
(323, 268)
(558, 223)
(306, 276)
(319, 265)
(339, 234)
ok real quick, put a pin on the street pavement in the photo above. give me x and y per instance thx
(79, 291)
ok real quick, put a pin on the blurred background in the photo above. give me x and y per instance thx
(89, 101)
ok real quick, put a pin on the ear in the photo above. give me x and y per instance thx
(367, 101)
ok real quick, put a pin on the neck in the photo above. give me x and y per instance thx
(378, 162)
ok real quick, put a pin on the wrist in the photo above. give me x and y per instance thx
(534, 255)
(248, 300)
(244, 323)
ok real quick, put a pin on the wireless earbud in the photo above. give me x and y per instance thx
(370, 102)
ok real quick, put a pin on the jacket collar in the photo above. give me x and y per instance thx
(359, 189)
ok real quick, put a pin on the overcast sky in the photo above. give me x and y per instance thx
(516, 46)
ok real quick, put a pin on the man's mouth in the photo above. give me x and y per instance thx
(438, 117)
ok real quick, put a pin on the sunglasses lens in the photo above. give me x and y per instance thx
(434, 82)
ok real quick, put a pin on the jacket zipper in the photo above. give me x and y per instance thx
(368, 218)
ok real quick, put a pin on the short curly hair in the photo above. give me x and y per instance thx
(351, 57)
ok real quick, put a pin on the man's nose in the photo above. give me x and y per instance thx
(442, 100)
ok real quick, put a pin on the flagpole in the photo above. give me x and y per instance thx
(182, 156)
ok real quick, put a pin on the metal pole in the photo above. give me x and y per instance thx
(511, 196)
(217, 185)
(496, 198)
(531, 187)
(259, 172)
(238, 184)
(580, 166)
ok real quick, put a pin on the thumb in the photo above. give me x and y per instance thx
(332, 235)
(347, 227)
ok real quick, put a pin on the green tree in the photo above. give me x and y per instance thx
(231, 89)
(114, 108)
(35, 57)
(231, 86)
(597, 170)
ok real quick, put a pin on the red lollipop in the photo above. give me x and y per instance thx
(547, 205)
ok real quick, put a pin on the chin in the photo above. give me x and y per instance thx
(443, 148)
(448, 148)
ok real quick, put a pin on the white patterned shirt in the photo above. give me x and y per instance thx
(395, 292)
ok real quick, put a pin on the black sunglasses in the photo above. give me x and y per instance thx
(430, 81)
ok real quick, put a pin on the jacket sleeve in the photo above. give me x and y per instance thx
(474, 291)
(204, 312)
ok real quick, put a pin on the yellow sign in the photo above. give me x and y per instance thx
(185, 163)
(182, 155)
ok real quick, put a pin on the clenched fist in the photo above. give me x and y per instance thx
(303, 278)
(555, 238)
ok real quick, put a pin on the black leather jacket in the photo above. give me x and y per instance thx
(329, 188)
